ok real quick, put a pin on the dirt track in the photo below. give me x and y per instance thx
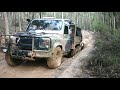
(70, 67)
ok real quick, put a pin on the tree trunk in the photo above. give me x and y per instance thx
(54, 14)
(15, 23)
(62, 15)
(114, 22)
(6, 23)
(20, 22)
(40, 14)
(90, 20)
(33, 15)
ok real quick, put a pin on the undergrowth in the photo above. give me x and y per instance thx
(105, 62)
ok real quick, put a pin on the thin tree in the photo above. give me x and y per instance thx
(6, 23)
(15, 23)
(40, 13)
(62, 15)
(54, 14)
(20, 22)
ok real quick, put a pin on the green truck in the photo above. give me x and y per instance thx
(49, 38)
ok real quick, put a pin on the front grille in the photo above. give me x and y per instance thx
(26, 40)
(25, 43)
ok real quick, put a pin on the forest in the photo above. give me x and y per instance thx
(106, 25)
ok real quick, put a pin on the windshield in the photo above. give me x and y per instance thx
(45, 25)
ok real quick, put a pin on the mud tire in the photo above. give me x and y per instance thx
(82, 46)
(56, 59)
(11, 61)
(71, 53)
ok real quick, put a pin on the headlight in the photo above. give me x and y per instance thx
(45, 43)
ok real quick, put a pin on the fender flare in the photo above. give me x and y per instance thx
(56, 45)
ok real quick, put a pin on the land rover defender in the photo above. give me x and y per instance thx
(48, 38)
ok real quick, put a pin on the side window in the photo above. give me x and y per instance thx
(66, 30)
(78, 31)
(72, 29)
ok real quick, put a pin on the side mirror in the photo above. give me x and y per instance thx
(28, 20)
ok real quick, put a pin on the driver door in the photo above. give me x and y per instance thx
(66, 39)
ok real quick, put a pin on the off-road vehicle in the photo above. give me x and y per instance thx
(48, 38)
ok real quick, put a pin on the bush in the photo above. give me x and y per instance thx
(100, 27)
(106, 59)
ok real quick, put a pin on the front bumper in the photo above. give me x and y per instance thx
(31, 55)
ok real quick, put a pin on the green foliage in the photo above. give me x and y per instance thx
(106, 59)
(99, 26)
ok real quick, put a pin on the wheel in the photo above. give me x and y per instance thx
(71, 53)
(11, 61)
(78, 48)
(82, 45)
(75, 51)
(55, 60)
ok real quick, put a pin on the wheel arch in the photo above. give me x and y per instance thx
(57, 44)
